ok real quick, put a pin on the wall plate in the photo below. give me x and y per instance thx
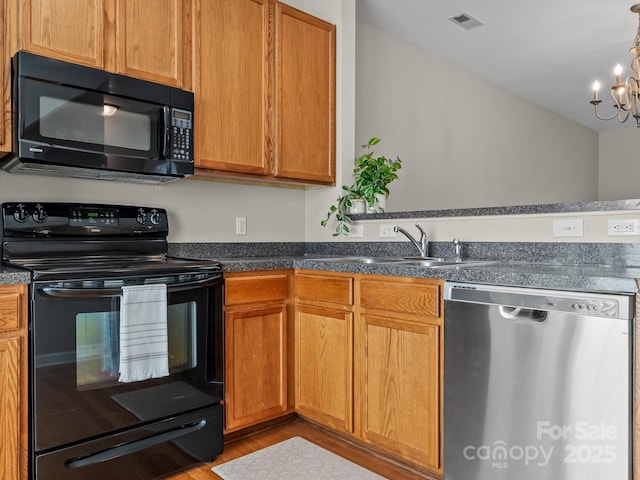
(568, 227)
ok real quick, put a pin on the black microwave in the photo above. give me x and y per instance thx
(76, 121)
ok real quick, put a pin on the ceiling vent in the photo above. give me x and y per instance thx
(466, 21)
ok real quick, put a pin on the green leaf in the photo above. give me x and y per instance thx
(371, 175)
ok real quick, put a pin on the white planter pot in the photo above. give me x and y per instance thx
(380, 205)
(358, 206)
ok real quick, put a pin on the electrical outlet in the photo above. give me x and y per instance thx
(624, 227)
(568, 227)
(386, 230)
(356, 230)
(241, 225)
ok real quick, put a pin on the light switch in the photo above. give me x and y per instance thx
(241, 225)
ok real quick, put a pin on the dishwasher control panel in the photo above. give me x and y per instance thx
(603, 308)
(615, 305)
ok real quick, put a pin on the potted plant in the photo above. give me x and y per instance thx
(371, 175)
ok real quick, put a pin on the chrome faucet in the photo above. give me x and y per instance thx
(422, 245)
(457, 248)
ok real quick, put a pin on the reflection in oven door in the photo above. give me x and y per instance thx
(76, 392)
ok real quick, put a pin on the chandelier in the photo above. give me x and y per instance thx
(625, 94)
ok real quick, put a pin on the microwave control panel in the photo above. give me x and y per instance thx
(181, 134)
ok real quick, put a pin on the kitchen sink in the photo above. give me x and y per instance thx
(427, 262)
(362, 259)
(424, 262)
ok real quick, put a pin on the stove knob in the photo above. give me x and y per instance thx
(39, 215)
(155, 217)
(20, 214)
(142, 217)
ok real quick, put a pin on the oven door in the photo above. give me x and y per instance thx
(75, 392)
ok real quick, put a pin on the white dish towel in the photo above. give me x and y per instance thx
(144, 349)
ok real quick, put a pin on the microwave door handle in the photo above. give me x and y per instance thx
(165, 134)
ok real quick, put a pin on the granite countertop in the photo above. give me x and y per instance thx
(526, 274)
(513, 273)
(13, 276)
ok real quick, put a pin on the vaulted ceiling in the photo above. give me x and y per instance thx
(549, 51)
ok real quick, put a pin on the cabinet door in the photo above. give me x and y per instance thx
(256, 365)
(10, 406)
(5, 84)
(13, 382)
(70, 30)
(305, 97)
(230, 82)
(152, 40)
(401, 408)
(324, 372)
(400, 359)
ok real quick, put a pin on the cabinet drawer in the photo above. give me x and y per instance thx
(9, 311)
(255, 289)
(325, 288)
(403, 297)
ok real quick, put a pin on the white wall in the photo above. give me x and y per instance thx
(397, 87)
(319, 200)
(199, 211)
(203, 211)
(506, 228)
(464, 142)
(620, 163)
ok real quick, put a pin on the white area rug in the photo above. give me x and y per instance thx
(293, 459)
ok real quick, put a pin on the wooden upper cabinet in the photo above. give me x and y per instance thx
(147, 39)
(230, 84)
(70, 30)
(264, 81)
(153, 40)
(305, 96)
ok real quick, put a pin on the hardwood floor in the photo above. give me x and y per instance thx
(309, 432)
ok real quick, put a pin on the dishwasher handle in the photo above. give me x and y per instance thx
(519, 313)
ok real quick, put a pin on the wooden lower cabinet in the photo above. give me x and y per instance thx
(369, 361)
(324, 376)
(13, 382)
(256, 337)
(400, 368)
(324, 349)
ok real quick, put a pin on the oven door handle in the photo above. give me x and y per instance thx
(136, 445)
(65, 292)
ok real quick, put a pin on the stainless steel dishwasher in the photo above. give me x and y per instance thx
(537, 384)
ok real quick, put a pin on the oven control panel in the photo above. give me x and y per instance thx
(66, 219)
(89, 217)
